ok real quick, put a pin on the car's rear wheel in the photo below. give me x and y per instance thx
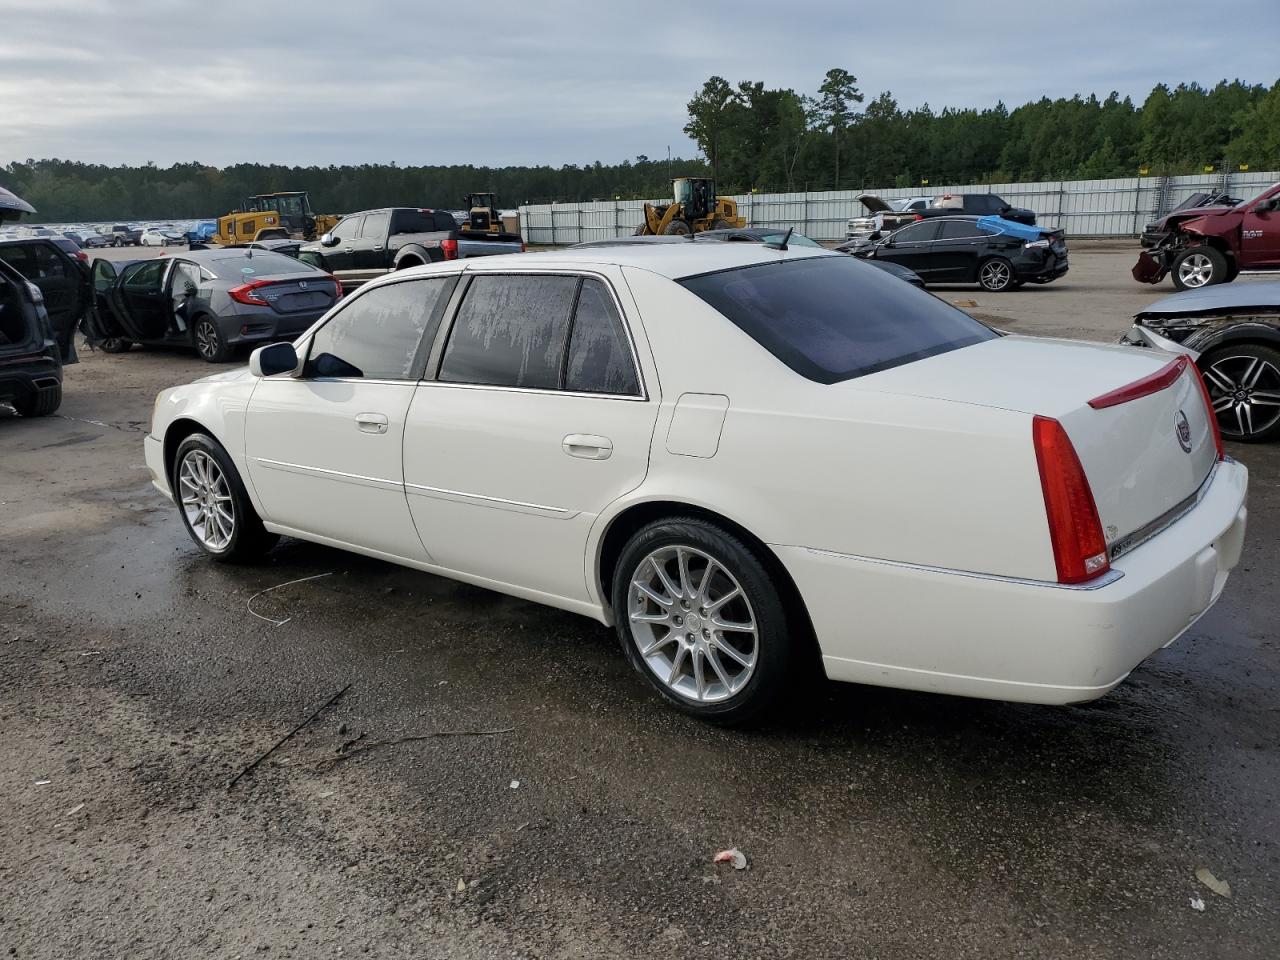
(700, 617)
(1244, 386)
(209, 342)
(215, 508)
(41, 402)
(1199, 266)
(996, 275)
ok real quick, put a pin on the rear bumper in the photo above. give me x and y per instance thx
(944, 631)
(272, 328)
(21, 376)
(1046, 271)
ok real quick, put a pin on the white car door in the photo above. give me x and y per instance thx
(538, 419)
(324, 449)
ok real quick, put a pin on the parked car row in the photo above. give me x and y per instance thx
(887, 216)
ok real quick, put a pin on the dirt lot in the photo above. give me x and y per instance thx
(572, 815)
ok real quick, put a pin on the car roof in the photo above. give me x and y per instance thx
(673, 260)
(1219, 298)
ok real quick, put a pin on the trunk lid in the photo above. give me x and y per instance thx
(305, 293)
(1145, 458)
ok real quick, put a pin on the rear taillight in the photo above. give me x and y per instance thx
(337, 286)
(1079, 549)
(1208, 409)
(1152, 383)
(245, 293)
(919, 216)
(1042, 244)
(450, 249)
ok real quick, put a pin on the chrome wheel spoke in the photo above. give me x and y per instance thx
(1251, 374)
(716, 604)
(652, 595)
(676, 663)
(1219, 379)
(727, 648)
(682, 569)
(713, 657)
(659, 643)
(1265, 398)
(1223, 403)
(661, 570)
(1244, 418)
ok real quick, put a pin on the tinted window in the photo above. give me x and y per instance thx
(375, 226)
(35, 261)
(916, 232)
(348, 229)
(144, 276)
(377, 334)
(959, 230)
(416, 221)
(833, 318)
(445, 221)
(983, 203)
(511, 332)
(599, 354)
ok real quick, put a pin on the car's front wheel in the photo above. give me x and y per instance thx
(1244, 387)
(996, 275)
(1199, 266)
(215, 507)
(210, 343)
(700, 616)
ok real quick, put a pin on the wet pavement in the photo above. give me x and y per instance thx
(552, 806)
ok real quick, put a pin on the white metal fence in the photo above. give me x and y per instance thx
(1084, 208)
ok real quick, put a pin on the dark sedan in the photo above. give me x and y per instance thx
(213, 300)
(994, 253)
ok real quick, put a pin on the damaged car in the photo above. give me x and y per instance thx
(1233, 334)
(1200, 246)
(884, 216)
(1156, 229)
(211, 300)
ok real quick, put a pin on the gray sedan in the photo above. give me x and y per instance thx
(213, 300)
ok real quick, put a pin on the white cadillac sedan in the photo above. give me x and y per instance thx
(736, 454)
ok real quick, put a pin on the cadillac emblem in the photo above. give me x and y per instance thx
(1183, 431)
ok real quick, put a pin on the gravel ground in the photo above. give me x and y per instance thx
(135, 685)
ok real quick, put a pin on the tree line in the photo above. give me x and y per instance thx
(751, 138)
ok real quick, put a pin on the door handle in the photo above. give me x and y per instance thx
(587, 446)
(371, 422)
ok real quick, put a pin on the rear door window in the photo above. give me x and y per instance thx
(511, 331)
(377, 335)
(832, 318)
(960, 230)
(375, 226)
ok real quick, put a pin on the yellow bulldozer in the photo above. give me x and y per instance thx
(274, 216)
(693, 209)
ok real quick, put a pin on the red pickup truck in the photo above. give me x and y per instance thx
(1205, 245)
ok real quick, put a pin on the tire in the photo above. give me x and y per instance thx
(677, 228)
(1233, 270)
(1244, 386)
(202, 469)
(754, 668)
(210, 345)
(40, 403)
(115, 345)
(641, 230)
(995, 275)
(720, 223)
(1198, 266)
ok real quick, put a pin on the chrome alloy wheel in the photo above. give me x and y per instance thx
(1245, 392)
(206, 500)
(995, 275)
(692, 624)
(1195, 270)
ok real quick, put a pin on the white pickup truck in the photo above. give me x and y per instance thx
(884, 216)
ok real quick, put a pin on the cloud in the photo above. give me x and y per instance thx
(547, 82)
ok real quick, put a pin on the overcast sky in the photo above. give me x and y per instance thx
(549, 81)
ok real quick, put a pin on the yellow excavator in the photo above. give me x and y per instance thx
(274, 216)
(693, 209)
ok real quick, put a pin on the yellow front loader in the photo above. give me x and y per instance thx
(693, 209)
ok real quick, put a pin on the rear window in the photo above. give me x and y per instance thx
(262, 263)
(833, 318)
(421, 221)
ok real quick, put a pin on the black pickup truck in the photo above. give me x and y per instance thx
(368, 244)
(976, 204)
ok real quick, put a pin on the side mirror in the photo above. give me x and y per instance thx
(887, 242)
(328, 240)
(277, 358)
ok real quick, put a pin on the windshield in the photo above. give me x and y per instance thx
(832, 318)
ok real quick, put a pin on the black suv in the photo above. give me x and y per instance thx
(978, 205)
(30, 355)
